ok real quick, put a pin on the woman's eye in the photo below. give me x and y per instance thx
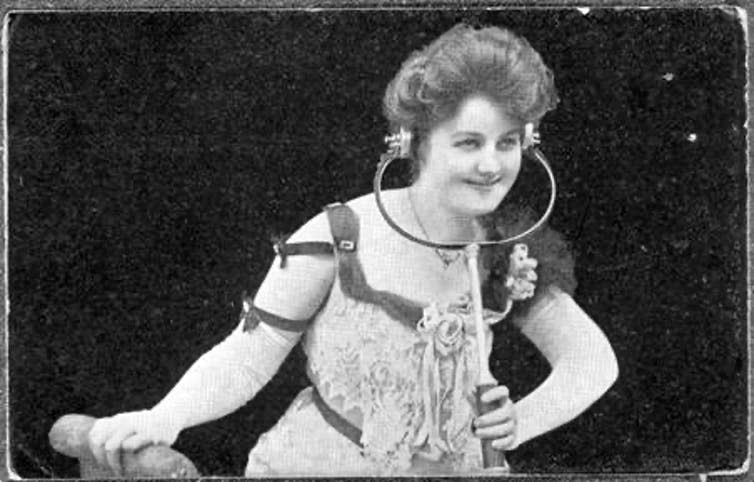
(508, 143)
(468, 143)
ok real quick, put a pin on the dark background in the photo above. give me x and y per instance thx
(153, 155)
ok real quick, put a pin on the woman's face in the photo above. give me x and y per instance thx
(470, 161)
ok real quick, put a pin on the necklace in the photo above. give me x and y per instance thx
(447, 257)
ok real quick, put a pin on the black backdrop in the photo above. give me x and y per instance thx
(152, 156)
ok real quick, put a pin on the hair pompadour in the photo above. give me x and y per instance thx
(464, 61)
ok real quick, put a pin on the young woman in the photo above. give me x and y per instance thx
(387, 323)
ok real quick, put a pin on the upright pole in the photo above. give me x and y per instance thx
(491, 457)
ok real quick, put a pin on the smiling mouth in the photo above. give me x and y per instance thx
(489, 183)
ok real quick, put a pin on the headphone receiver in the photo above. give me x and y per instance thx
(399, 144)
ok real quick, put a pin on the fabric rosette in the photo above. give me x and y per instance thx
(521, 277)
(442, 327)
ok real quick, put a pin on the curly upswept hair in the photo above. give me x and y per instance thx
(492, 62)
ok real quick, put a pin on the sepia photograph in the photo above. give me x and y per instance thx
(378, 241)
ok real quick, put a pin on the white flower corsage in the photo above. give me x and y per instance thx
(521, 277)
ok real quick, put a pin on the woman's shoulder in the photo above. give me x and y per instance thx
(316, 229)
(365, 214)
(367, 211)
(366, 204)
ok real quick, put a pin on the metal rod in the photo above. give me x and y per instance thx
(472, 263)
(531, 152)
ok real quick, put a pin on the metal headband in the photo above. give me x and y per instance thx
(399, 146)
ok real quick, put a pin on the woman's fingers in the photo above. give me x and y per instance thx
(499, 392)
(113, 460)
(504, 443)
(500, 422)
(97, 437)
(499, 415)
(497, 431)
(129, 431)
(136, 441)
(110, 436)
(113, 448)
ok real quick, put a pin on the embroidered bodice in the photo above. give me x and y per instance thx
(411, 390)
(407, 380)
(393, 350)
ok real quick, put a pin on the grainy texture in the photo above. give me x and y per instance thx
(153, 156)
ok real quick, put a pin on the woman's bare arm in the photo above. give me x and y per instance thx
(583, 364)
(233, 371)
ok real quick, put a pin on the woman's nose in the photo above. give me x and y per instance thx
(489, 162)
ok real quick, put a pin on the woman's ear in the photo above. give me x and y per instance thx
(417, 153)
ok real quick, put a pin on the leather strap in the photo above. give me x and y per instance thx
(253, 316)
(344, 226)
(345, 231)
(284, 249)
(346, 428)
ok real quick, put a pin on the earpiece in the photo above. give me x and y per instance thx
(399, 144)
(531, 137)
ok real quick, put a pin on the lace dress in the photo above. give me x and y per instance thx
(402, 376)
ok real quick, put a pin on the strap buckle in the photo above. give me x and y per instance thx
(279, 248)
(346, 245)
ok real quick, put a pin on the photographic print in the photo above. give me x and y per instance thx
(378, 241)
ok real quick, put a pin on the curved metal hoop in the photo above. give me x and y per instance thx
(532, 151)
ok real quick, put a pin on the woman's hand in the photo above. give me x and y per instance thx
(499, 424)
(129, 431)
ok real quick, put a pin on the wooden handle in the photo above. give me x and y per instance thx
(70, 436)
(491, 457)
